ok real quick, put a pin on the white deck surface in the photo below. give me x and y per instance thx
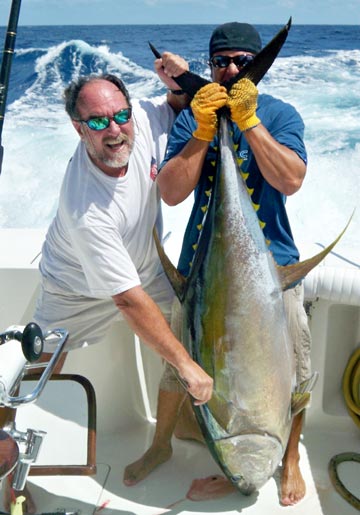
(166, 488)
(125, 412)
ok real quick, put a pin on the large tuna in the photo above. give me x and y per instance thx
(234, 326)
(234, 323)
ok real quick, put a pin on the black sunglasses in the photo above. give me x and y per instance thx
(223, 61)
(99, 123)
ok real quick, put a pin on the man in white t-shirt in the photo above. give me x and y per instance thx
(99, 261)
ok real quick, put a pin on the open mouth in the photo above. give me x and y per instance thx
(116, 145)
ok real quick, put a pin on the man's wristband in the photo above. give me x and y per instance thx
(177, 91)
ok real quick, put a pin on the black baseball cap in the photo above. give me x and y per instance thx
(235, 36)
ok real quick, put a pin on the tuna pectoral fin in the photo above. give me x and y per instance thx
(301, 396)
(291, 274)
(176, 280)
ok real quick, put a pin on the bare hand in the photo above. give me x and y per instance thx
(170, 65)
(198, 383)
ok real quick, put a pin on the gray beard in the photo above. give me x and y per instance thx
(116, 162)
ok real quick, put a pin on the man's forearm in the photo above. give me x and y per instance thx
(280, 166)
(178, 101)
(147, 321)
(180, 176)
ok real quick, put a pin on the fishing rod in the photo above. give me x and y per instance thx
(6, 64)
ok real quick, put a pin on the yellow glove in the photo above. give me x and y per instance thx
(204, 106)
(242, 102)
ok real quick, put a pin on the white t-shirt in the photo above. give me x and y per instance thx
(100, 242)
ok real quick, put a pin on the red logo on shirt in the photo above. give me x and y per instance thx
(153, 169)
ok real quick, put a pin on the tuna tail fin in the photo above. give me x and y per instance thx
(257, 68)
(301, 396)
(254, 71)
(291, 274)
(176, 279)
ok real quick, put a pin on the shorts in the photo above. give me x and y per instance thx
(298, 328)
(86, 319)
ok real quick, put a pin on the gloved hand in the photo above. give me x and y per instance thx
(242, 101)
(204, 106)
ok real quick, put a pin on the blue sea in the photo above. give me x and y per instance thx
(318, 71)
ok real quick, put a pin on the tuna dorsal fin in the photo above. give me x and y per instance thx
(176, 279)
(301, 396)
(291, 274)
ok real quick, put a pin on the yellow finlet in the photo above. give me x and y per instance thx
(300, 398)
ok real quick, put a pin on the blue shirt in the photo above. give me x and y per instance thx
(286, 126)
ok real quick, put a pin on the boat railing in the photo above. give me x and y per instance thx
(20, 349)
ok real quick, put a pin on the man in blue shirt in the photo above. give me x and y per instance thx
(268, 138)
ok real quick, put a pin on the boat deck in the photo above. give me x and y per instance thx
(122, 437)
(165, 490)
(125, 377)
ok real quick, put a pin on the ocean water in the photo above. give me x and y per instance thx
(318, 71)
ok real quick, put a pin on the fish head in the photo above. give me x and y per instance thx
(251, 459)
